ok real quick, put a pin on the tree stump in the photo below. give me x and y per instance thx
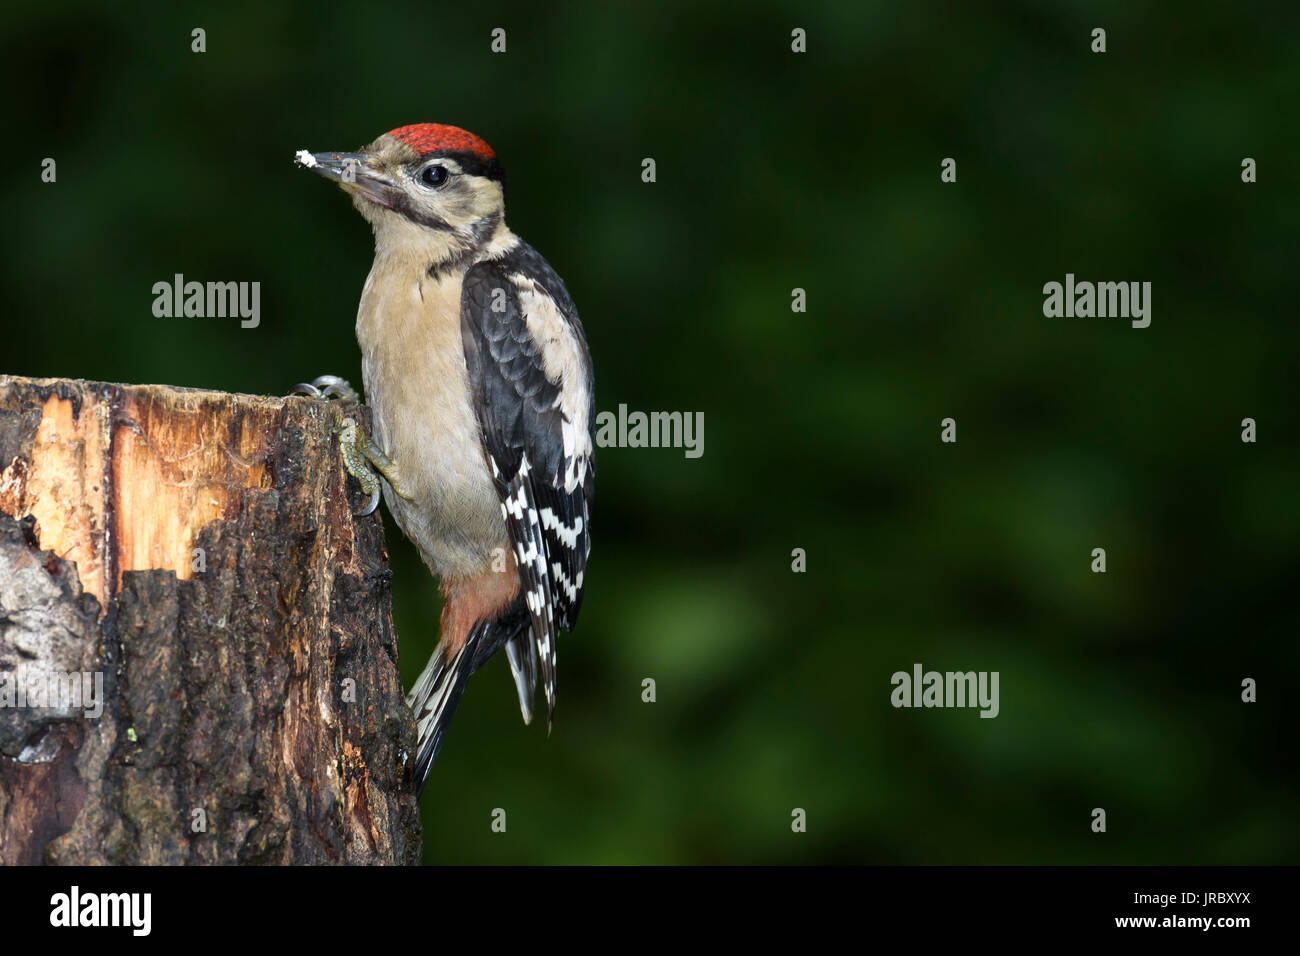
(197, 656)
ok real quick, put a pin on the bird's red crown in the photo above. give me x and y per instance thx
(435, 137)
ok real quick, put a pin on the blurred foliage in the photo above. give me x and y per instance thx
(776, 171)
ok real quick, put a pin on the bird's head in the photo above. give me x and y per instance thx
(427, 184)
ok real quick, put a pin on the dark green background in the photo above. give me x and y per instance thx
(776, 171)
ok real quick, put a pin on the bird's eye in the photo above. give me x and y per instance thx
(434, 175)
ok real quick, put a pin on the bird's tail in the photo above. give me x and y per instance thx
(433, 699)
(439, 688)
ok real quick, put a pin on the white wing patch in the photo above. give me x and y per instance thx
(563, 364)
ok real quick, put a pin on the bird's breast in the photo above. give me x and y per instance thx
(416, 384)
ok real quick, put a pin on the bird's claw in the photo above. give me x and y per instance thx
(356, 463)
(362, 458)
(326, 387)
(370, 507)
(365, 462)
(359, 452)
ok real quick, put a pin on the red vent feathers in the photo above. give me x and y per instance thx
(433, 137)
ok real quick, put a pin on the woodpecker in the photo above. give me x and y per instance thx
(476, 369)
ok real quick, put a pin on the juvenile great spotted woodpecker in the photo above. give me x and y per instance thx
(476, 369)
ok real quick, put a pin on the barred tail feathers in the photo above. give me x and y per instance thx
(439, 688)
(434, 699)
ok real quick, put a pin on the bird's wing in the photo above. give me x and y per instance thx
(531, 386)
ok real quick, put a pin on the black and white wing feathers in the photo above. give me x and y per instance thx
(531, 386)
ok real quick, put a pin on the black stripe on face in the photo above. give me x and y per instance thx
(403, 206)
(481, 232)
(471, 163)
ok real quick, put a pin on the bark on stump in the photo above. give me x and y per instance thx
(197, 551)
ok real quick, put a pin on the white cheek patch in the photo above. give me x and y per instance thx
(467, 200)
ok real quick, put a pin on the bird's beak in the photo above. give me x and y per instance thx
(352, 172)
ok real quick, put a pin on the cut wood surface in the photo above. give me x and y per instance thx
(194, 555)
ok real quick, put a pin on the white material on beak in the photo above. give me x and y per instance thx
(304, 158)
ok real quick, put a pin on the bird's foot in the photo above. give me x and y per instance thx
(327, 387)
(365, 462)
(362, 458)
